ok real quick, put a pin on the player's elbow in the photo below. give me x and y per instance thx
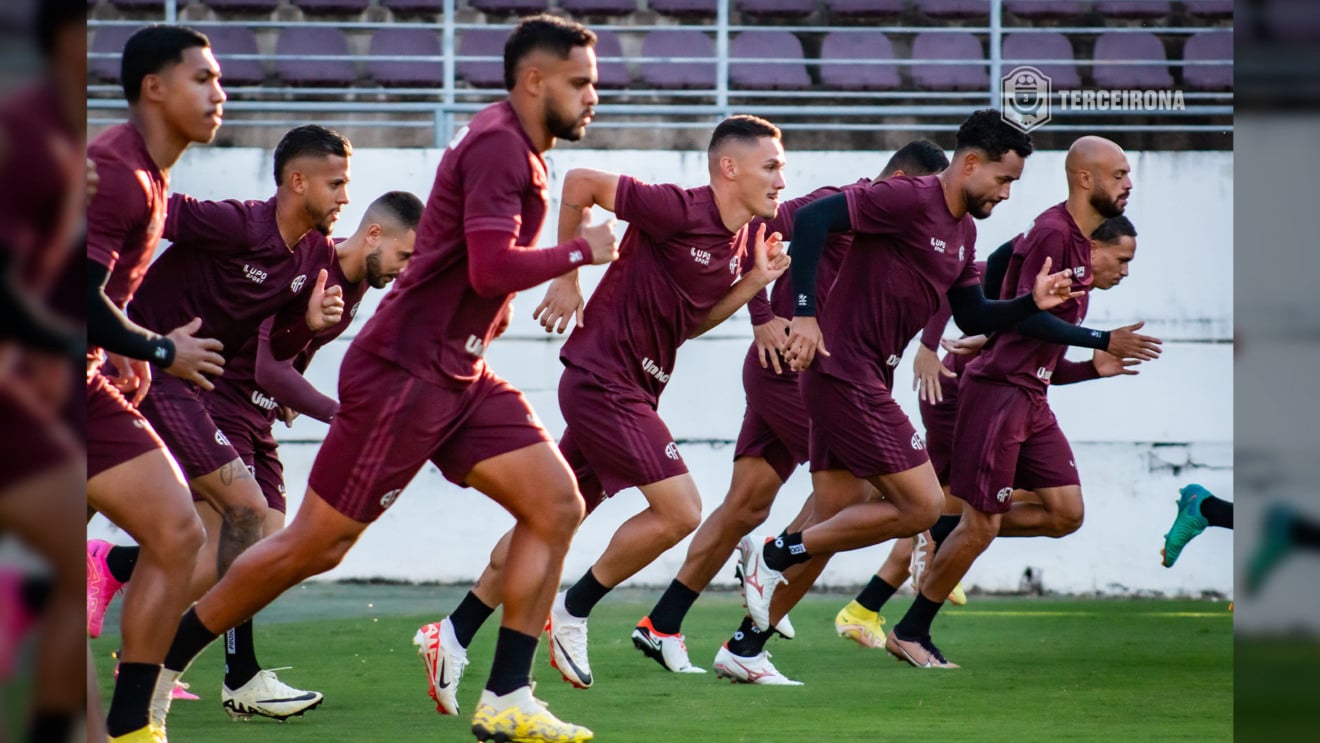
(487, 286)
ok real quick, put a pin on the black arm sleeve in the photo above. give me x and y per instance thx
(1048, 327)
(110, 328)
(811, 227)
(975, 314)
(996, 265)
(28, 324)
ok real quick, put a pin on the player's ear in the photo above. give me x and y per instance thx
(296, 180)
(153, 88)
(971, 159)
(374, 231)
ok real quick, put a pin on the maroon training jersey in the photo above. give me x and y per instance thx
(908, 251)
(127, 215)
(676, 261)
(1018, 359)
(237, 393)
(434, 323)
(230, 267)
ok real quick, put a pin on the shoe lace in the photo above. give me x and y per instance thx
(273, 683)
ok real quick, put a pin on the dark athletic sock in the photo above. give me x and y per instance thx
(942, 528)
(121, 560)
(132, 698)
(50, 726)
(240, 656)
(190, 639)
(512, 667)
(748, 641)
(471, 613)
(1217, 512)
(667, 616)
(915, 624)
(785, 550)
(876, 593)
(583, 596)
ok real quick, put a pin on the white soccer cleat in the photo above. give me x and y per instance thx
(670, 651)
(757, 670)
(568, 644)
(265, 695)
(445, 660)
(785, 628)
(759, 580)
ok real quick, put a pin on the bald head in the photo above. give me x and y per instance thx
(1098, 171)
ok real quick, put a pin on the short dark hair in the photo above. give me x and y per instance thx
(400, 206)
(52, 17)
(986, 130)
(308, 139)
(1114, 228)
(742, 127)
(546, 32)
(918, 157)
(151, 50)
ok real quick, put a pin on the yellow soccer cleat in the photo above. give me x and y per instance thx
(148, 734)
(958, 596)
(861, 625)
(519, 717)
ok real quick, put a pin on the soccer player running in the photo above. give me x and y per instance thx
(425, 345)
(678, 276)
(1112, 249)
(172, 83)
(1005, 434)
(254, 390)
(913, 243)
(773, 438)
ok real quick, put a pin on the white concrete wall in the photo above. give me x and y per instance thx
(1137, 439)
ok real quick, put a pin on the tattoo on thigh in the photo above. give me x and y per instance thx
(234, 472)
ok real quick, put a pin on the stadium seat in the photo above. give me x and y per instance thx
(414, 6)
(789, 74)
(777, 8)
(948, 46)
(140, 5)
(413, 42)
(701, 8)
(599, 7)
(483, 42)
(331, 7)
(229, 6)
(228, 40)
(865, 8)
(678, 43)
(955, 8)
(505, 7)
(109, 39)
(314, 40)
(1209, 8)
(1205, 46)
(1034, 9)
(1130, 46)
(1131, 9)
(1043, 46)
(860, 45)
(610, 74)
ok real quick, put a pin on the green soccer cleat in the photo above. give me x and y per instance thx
(1274, 545)
(1187, 524)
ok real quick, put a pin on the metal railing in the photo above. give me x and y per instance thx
(829, 109)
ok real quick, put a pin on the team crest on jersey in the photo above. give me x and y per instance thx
(352, 311)
(1004, 494)
(388, 499)
(298, 282)
(962, 253)
(734, 264)
(671, 451)
(917, 443)
(221, 439)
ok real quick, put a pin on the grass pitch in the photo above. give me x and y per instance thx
(1033, 669)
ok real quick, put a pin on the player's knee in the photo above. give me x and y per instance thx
(179, 537)
(560, 514)
(1065, 522)
(749, 508)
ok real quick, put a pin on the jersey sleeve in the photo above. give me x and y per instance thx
(883, 208)
(1036, 245)
(121, 206)
(660, 211)
(496, 174)
(204, 225)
